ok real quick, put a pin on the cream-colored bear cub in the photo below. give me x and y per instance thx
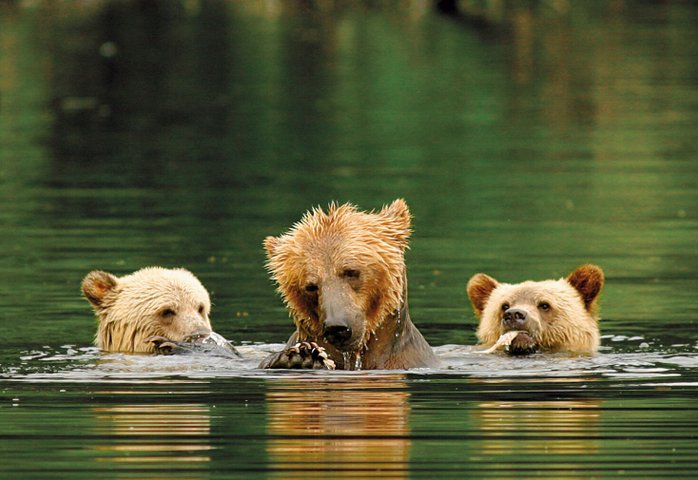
(152, 302)
(550, 315)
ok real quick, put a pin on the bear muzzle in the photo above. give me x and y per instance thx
(342, 322)
(197, 332)
(528, 328)
(520, 319)
(343, 332)
(198, 336)
(515, 319)
(338, 335)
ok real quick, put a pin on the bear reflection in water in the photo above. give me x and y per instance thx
(349, 427)
(528, 432)
(146, 433)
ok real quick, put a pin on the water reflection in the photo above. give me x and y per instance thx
(514, 428)
(350, 427)
(144, 433)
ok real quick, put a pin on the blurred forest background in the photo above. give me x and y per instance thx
(527, 137)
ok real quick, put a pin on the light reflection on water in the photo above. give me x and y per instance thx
(352, 428)
(480, 414)
(181, 431)
(621, 361)
(553, 426)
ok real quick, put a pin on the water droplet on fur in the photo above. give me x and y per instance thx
(357, 363)
(346, 357)
(399, 320)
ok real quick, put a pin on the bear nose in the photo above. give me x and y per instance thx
(337, 334)
(199, 335)
(514, 318)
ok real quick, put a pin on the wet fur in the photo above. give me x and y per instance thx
(570, 325)
(129, 309)
(320, 250)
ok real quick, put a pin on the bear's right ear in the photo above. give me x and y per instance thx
(96, 285)
(270, 244)
(479, 288)
(588, 280)
(398, 220)
(399, 210)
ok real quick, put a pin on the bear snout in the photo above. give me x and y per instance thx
(342, 320)
(198, 336)
(197, 332)
(515, 319)
(337, 334)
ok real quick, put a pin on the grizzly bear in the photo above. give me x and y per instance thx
(551, 315)
(152, 302)
(343, 277)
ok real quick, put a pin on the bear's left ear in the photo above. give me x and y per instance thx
(96, 285)
(588, 281)
(479, 289)
(399, 220)
(270, 244)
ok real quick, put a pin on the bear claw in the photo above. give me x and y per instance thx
(522, 344)
(304, 355)
(214, 344)
(163, 345)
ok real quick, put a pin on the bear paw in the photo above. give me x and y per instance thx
(214, 345)
(522, 344)
(515, 343)
(165, 346)
(307, 355)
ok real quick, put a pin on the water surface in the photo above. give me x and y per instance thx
(479, 415)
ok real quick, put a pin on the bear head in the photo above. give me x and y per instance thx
(342, 272)
(558, 315)
(153, 301)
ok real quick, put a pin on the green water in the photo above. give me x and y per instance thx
(183, 133)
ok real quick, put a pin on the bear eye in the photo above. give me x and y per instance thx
(167, 313)
(311, 288)
(545, 306)
(350, 273)
(505, 307)
(201, 310)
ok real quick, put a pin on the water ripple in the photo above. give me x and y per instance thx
(86, 364)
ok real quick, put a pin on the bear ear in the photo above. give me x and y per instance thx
(270, 244)
(398, 210)
(96, 285)
(479, 289)
(400, 220)
(588, 280)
